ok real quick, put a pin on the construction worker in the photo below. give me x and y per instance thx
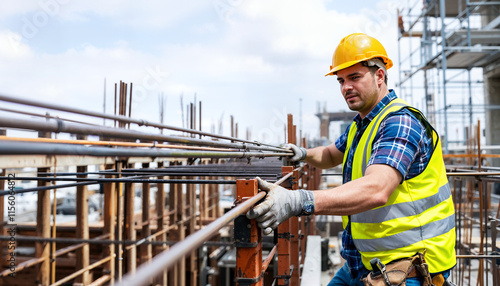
(395, 199)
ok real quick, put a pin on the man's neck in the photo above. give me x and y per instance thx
(383, 91)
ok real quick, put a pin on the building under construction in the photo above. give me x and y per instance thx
(145, 203)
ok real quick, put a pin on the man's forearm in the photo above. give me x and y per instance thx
(368, 192)
(321, 157)
(351, 198)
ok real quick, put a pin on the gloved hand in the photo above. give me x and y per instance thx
(280, 204)
(299, 153)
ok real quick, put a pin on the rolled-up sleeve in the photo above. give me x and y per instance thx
(341, 142)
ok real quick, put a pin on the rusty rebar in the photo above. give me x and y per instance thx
(167, 259)
(57, 125)
(119, 118)
(29, 148)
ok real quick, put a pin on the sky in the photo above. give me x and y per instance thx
(255, 60)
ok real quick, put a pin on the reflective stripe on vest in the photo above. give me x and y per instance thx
(395, 211)
(408, 237)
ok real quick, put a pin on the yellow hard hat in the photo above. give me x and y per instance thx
(356, 48)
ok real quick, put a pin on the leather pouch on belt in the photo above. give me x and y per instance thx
(398, 271)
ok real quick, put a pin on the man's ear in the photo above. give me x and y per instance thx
(380, 76)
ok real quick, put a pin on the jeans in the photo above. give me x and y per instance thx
(343, 277)
(417, 281)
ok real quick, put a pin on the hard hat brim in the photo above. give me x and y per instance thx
(334, 70)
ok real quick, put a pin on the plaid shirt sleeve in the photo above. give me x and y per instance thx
(341, 142)
(401, 143)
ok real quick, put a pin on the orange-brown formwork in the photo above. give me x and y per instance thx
(284, 246)
(294, 221)
(248, 239)
(294, 236)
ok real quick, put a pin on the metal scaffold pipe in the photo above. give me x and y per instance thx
(111, 143)
(133, 179)
(46, 188)
(93, 181)
(120, 118)
(27, 148)
(104, 241)
(80, 182)
(173, 174)
(57, 125)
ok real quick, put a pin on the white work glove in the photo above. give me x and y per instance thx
(280, 204)
(299, 153)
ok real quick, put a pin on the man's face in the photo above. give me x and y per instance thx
(359, 88)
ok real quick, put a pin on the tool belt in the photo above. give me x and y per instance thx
(396, 272)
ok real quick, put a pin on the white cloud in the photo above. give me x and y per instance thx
(256, 57)
(145, 14)
(17, 7)
(13, 47)
(152, 13)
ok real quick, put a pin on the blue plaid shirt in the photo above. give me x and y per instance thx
(401, 142)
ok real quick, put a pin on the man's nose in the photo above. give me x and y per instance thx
(346, 87)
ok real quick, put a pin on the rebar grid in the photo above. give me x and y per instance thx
(185, 174)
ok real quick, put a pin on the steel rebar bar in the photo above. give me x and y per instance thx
(111, 143)
(127, 180)
(119, 118)
(57, 125)
(24, 238)
(26, 148)
(167, 259)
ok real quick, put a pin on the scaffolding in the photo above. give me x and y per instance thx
(446, 47)
(446, 44)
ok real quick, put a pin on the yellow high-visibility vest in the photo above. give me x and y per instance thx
(419, 215)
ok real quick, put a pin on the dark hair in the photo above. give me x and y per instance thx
(374, 67)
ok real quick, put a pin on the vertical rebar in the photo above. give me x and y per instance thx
(194, 113)
(160, 223)
(191, 210)
(130, 105)
(232, 126)
(191, 118)
(53, 234)
(42, 249)
(494, 266)
(130, 232)
(173, 234)
(82, 228)
(110, 214)
(200, 118)
(146, 249)
(119, 224)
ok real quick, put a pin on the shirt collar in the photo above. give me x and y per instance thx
(383, 103)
